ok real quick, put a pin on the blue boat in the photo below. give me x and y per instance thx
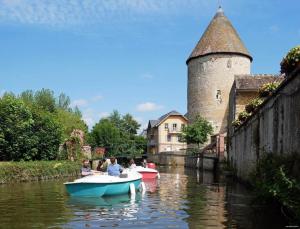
(103, 185)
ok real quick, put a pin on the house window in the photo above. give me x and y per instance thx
(169, 138)
(174, 126)
(166, 126)
(182, 126)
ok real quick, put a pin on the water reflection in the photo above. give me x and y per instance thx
(182, 198)
(151, 185)
(104, 211)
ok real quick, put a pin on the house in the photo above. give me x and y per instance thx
(163, 134)
(244, 89)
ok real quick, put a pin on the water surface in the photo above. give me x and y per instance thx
(182, 198)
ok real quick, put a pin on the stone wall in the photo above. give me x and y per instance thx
(210, 79)
(274, 128)
(181, 159)
(168, 158)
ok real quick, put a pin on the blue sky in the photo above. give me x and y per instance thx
(129, 55)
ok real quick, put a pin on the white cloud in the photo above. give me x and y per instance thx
(66, 12)
(88, 117)
(274, 28)
(148, 106)
(91, 117)
(79, 103)
(89, 121)
(147, 76)
(103, 114)
(97, 98)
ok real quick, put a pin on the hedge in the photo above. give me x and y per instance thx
(37, 170)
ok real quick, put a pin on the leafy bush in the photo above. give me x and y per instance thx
(274, 180)
(32, 125)
(236, 123)
(243, 116)
(37, 170)
(268, 88)
(254, 103)
(291, 60)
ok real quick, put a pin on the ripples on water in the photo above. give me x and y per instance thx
(182, 198)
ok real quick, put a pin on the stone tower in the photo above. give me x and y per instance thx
(219, 55)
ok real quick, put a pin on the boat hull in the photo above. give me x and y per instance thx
(148, 175)
(100, 189)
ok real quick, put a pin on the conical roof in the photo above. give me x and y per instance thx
(219, 37)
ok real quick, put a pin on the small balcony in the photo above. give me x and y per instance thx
(174, 131)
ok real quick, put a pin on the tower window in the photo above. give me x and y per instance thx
(219, 96)
(229, 63)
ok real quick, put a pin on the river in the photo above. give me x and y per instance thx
(182, 198)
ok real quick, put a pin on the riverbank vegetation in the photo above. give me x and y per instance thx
(37, 170)
(39, 132)
(276, 179)
(33, 125)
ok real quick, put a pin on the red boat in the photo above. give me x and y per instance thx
(147, 173)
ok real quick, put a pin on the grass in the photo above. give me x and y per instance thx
(37, 170)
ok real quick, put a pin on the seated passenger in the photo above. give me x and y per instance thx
(144, 163)
(132, 165)
(105, 164)
(102, 167)
(114, 169)
(85, 169)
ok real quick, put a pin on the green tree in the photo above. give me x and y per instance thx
(118, 134)
(68, 122)
(27, 97)
(49, 134)
(116, 119)
(64, 102)
(77, 112)
(129, 125)
(17, 140)
(106, 134)
(45, 100)
(197, 132)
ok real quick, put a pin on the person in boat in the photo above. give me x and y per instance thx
(105, 164)
(144, 163)
(114, 169)
(101, 165)
(86, 169)
(132, 165)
